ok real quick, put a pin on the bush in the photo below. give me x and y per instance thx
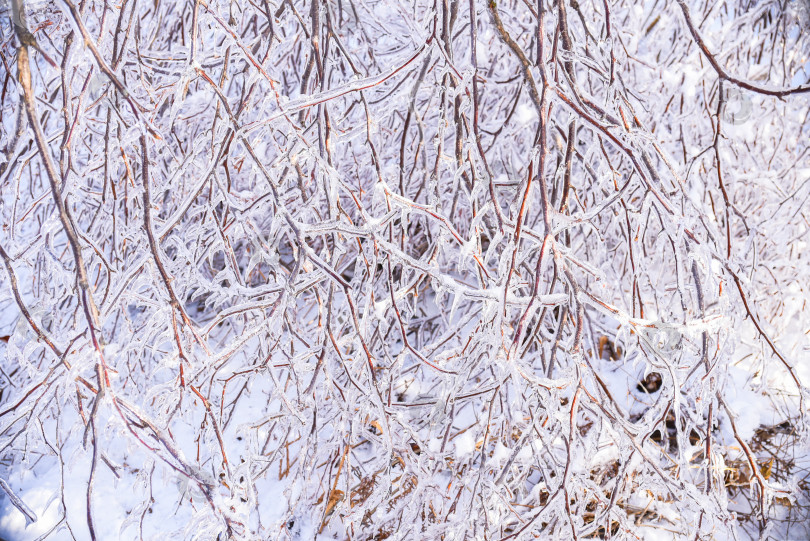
(404, 270)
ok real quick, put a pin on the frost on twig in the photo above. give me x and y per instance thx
(17, 502)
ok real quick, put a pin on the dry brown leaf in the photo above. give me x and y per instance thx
(766, 469)
(335, 497)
